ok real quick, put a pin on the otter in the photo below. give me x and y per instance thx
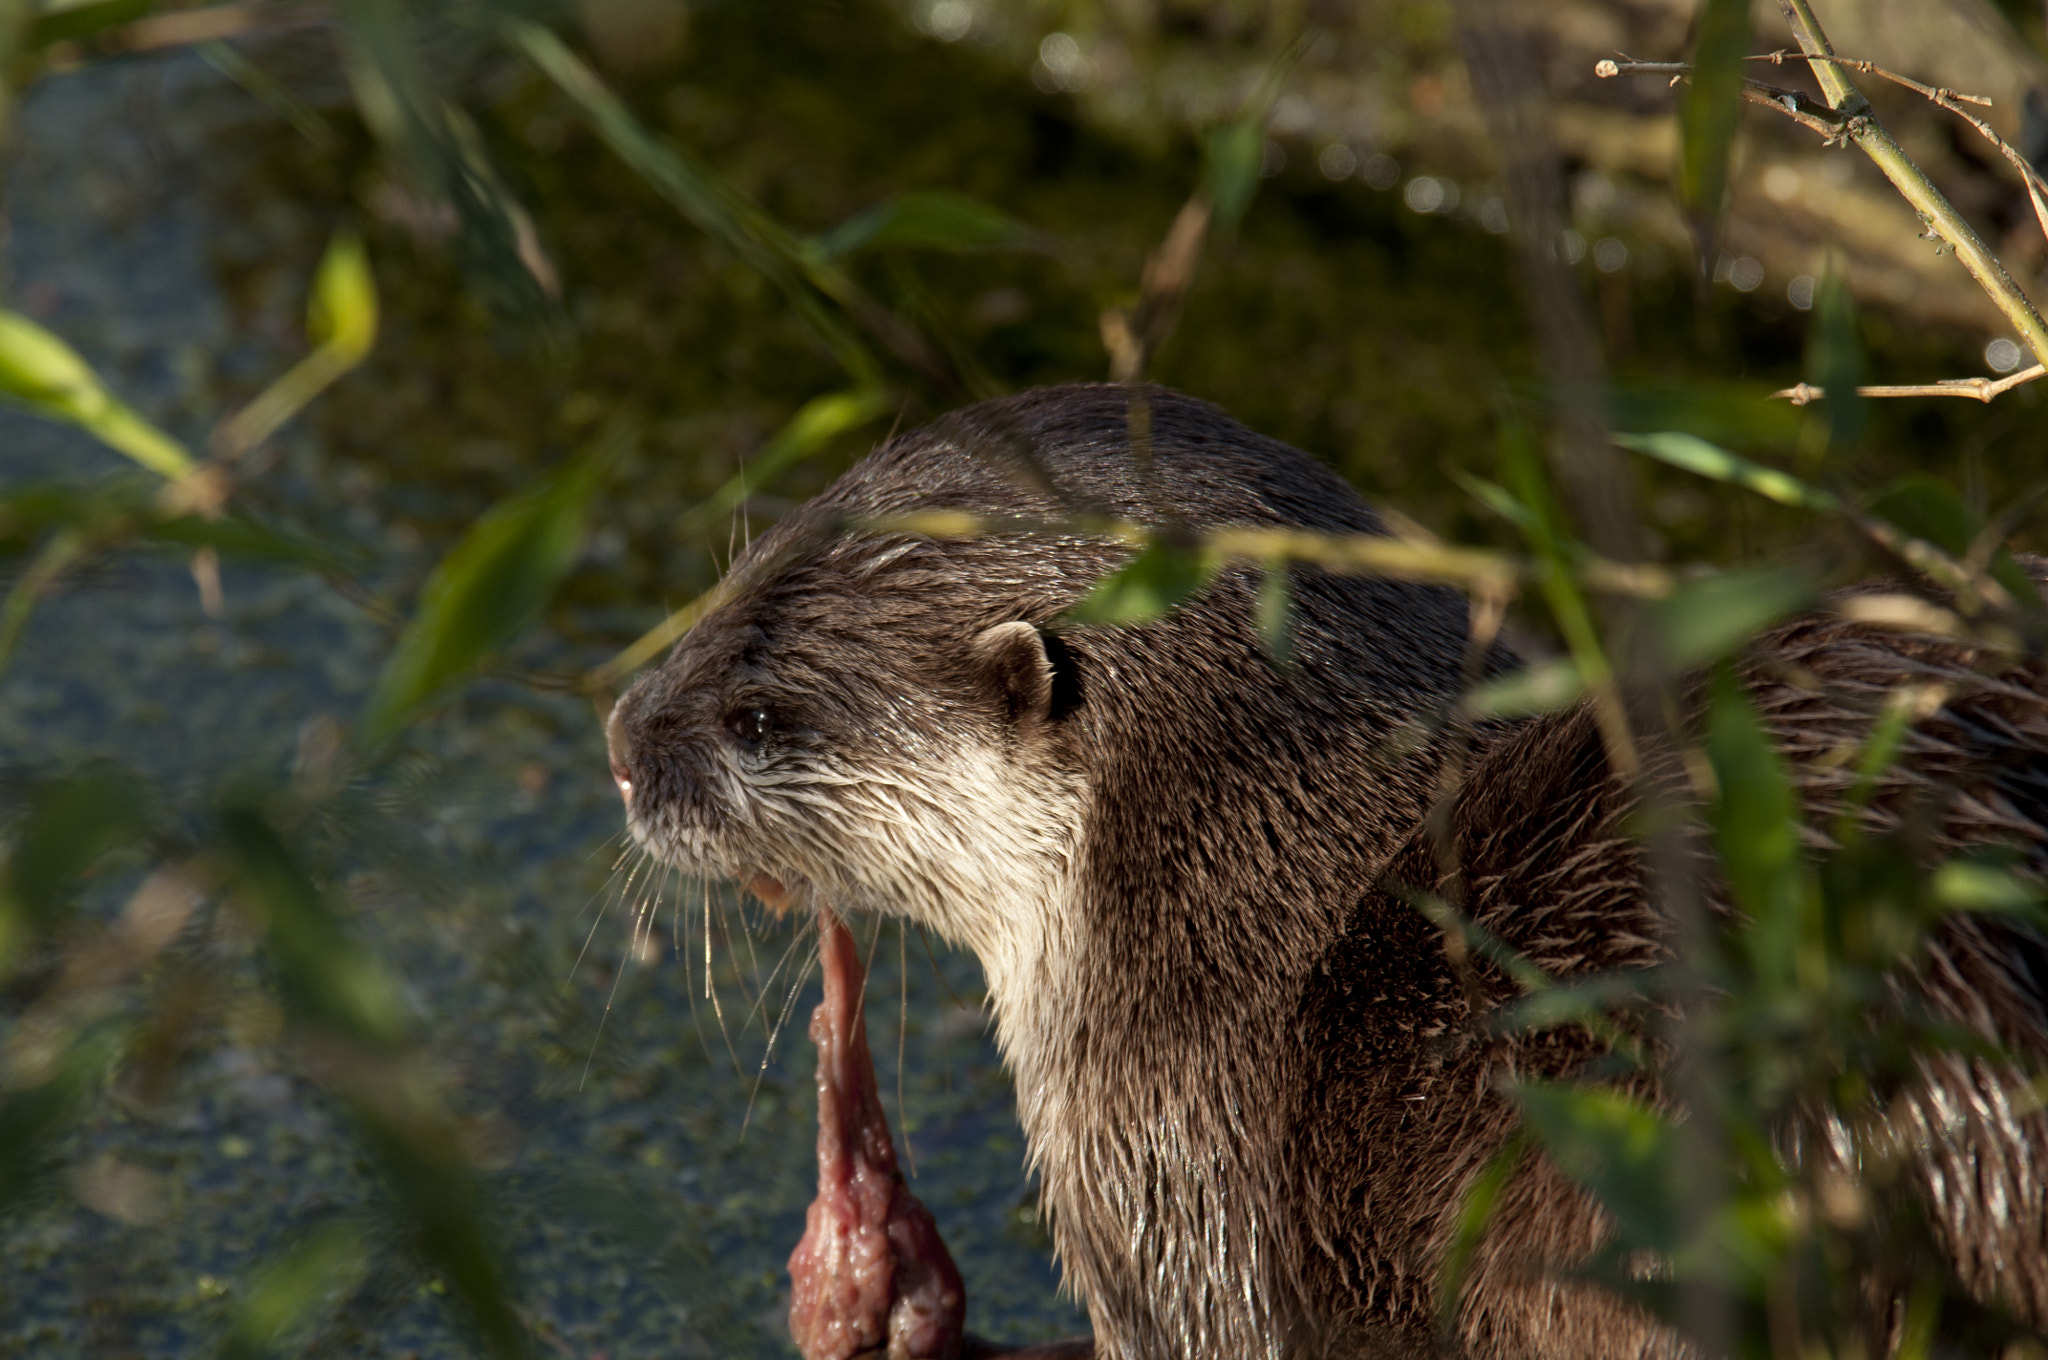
(1249, 1079)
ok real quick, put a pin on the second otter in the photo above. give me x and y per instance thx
(1227, 1047)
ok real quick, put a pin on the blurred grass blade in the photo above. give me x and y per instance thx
(1707, 619)
(63, 548)
(1544, 687)
(1709, 110)
(1756, 829)
(1694, 454)
(1589, 1001)
(818, 422)
(341, 321)
(1834, 358)
(328, 981)
(1502, 502)
(70, 824)
(715, 207)
(1275, 615)
(227, 59)
(1926, 508)
(40, 1098)
(1615, 1146)
(1473, 1218)
(1147, 586)
(352, 1016)
(1231, 155)
(286, 1291)
(933, 219)
(398, 99)
(487, 589)
(42, 373)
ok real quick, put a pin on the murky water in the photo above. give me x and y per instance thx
(648, 1165)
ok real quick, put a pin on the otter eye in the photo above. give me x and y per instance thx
(750, 725)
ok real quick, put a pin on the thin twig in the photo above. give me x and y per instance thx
(1849, 118)
(1977, 389)
(1937, 93)
(1910, 180)
(1799, 107)
(1943, 97)
(185, 27)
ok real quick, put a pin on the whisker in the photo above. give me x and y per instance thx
(710, 991)
(788, 1004)
(902, 1029)
(610, 896)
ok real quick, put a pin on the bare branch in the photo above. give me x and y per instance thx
(1977, 389)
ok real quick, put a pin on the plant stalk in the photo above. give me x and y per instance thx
(1910, 180)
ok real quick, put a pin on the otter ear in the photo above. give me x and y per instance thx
(1013, 663)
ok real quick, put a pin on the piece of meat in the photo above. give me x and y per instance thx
(870, 1276)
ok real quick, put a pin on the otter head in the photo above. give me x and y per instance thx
(874, 719)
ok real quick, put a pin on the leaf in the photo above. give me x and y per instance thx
(1984, 884)
(45, 375)
(1616, 1147)
(342, 315)
(1709, 111)
(1147, 586)
(1756, 829)
(341, 319)
(487, 589)
(1544, 687)
(1707, 619)
(819, 421)
(931, 219)
(1834, 357)
(1928, 508)
(1231, 155)
(1694, 454)
(285, 1290)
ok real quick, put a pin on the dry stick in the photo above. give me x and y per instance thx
(1977, 389)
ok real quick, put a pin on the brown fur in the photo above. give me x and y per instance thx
(1255, 1098)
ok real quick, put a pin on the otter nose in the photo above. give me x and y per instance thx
(620, 749)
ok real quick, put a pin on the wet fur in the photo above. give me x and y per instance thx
(1253, 1090)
